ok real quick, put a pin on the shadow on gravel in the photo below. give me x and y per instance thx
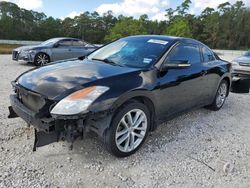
(91, 148)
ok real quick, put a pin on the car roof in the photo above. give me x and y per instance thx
(62, 38)
(168, 38)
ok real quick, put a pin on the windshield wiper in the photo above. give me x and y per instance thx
(108, 61)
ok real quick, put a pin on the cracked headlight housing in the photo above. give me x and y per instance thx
(78, 101)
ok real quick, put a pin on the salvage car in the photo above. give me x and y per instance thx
(121, 91)
(53, 50)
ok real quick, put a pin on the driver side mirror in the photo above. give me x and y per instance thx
(175, 64)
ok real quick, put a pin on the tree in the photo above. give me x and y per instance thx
(124, 27)
(180, 28)
(226, 27)
(178, 23)
(49, 28)
(182, 10)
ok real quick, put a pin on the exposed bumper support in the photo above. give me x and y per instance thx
(17, 109)
(50, 130)
(42, 138)
(12, 113)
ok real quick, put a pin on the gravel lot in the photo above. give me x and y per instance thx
(198, 149)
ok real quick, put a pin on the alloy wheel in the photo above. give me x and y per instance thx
(131, 130)
(42, 59)
(221, 95)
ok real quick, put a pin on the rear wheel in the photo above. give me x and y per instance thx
(220, 97)
(128, 129)
(41, 59)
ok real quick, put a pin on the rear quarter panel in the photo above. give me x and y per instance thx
(220, 70)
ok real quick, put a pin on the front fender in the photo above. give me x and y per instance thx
(114, 103)
(108, 107)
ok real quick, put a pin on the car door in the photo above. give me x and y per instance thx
(78, 48)
(62, 50)
(81, 48)
(180, 89)
(211, 73)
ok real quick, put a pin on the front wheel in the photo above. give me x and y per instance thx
(220, 97)
(128, 129)
(41, 59)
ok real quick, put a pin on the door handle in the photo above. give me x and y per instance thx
(203, 73)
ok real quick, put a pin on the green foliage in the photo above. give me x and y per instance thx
(180, 28)
(226, 27)
(126, 27)
(183, 8)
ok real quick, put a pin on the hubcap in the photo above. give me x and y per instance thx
(42, 59)
(131, 130)
(221, 95)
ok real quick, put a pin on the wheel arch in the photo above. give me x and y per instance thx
(143, 97)
(227, 78)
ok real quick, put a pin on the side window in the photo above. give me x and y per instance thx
(77, 43)
(65, 43)
(207, 54)
(185, 52)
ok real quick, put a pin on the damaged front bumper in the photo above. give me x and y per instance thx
(23, 56)
(64, 128)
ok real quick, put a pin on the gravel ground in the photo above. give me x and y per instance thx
(198, 149)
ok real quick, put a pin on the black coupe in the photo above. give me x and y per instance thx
(121, 91)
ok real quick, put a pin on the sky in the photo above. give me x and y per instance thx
(154, 8)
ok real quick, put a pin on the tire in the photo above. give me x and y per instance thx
(41, 59)
(220, 97)
(121, 139)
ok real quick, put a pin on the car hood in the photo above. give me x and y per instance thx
(243, 59)
(60, 79)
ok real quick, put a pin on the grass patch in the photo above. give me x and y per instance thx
(7, 48)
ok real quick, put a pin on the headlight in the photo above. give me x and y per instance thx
(29, 51)
(32, 51)
(78, 101)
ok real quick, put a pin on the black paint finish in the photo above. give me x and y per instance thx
(170, 91)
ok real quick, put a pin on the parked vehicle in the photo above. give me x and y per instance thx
(241, 73)
(53, 50)
(241, 65)
(121, 91)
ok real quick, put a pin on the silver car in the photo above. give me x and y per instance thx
(241, 65)
(241, 73)
(53, 50)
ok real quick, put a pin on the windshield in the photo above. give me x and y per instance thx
(247, 53)
(49, 42)
(133, 52)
